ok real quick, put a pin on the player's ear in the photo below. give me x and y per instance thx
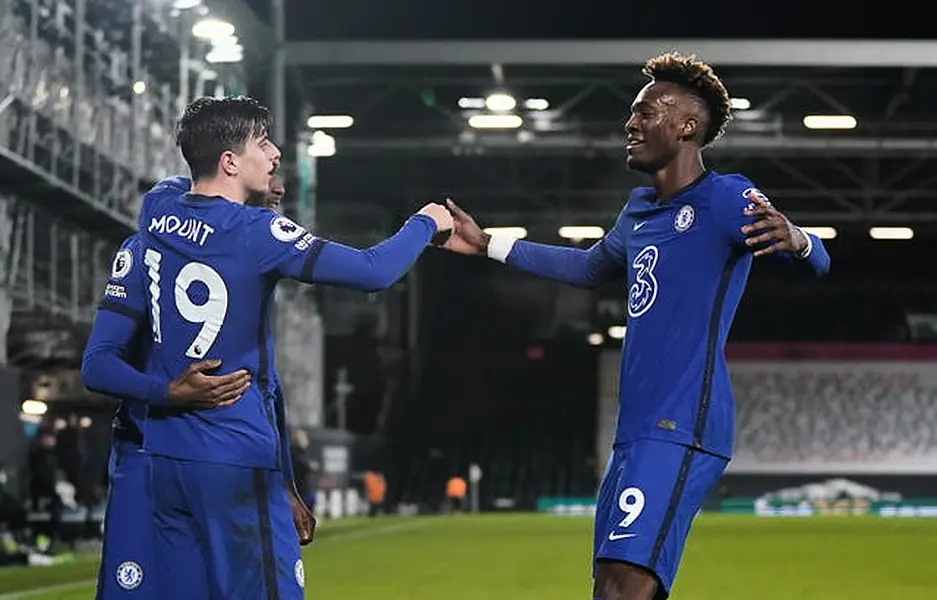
(690, 127)
(228, 163)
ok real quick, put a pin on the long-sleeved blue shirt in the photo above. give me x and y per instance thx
(205, 271)
(116, 352)
(115, 356)
(685, 263)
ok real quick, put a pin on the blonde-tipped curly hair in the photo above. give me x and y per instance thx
(699, 79)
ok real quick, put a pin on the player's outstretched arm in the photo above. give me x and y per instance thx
(295, 254)
(575, 266)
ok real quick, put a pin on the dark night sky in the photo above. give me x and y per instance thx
(415, 19)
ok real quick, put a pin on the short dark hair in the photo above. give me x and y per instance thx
(209, 127)
(699, 79)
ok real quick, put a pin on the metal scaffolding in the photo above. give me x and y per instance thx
(52, 269)
(566, 145)
(818, 176)
(543, 191)
(89, 94)
(73, 126)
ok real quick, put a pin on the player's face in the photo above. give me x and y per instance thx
(654, 129)
(277, 190)
(257, 165)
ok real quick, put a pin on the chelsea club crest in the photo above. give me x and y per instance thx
(129, 575)
(300, 572)
(684, 218)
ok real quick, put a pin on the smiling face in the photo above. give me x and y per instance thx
(663, 118)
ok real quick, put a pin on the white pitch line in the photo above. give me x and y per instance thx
(50, 589)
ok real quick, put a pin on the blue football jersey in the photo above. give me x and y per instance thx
(210, 268)
(685, 262)
(687, 265)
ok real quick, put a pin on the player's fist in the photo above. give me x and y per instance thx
(194, 388)
(468, 237)
(303, 519)
(443, 219)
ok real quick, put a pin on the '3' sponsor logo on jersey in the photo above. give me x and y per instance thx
(643, 292)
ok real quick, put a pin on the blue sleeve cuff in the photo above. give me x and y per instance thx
(426, 220)
(157, 393)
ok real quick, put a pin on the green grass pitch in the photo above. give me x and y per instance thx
(534, 557)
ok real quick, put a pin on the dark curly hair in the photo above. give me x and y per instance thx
(701, 81)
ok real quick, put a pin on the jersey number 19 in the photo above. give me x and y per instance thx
(210, 315)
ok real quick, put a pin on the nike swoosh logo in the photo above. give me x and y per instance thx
(638, 226)
(620, 536)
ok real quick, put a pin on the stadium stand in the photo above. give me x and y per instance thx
(881, 416)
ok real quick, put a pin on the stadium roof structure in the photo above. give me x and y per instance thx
(737, 52)
(565, 163)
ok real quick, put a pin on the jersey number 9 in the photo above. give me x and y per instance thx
(210, 315)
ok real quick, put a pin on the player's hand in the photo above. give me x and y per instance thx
(195, 389)
(468, 237)
(444, 224)
(772, 232)
(303, 519)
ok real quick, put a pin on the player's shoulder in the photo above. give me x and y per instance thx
(272, 226)
(127, 258)
(164, 190)
(254, 215)
(639, 194)
(131, 242)
(638, 199)
(175, 183)
(737, 188)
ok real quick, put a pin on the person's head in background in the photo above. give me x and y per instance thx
(300, 438)
(273, 197)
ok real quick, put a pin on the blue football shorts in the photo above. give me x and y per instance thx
(224, 532)
(649, 496)
(127, 568)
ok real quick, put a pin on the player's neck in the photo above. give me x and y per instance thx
(680, 173)
(218, 186)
